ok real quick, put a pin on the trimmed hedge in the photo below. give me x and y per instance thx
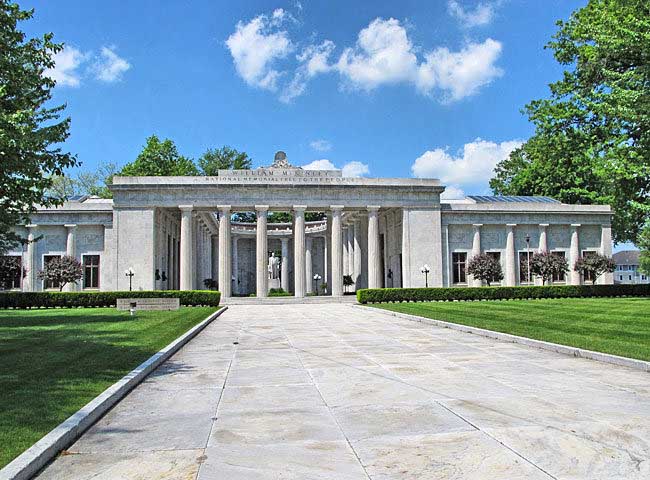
(381, 295)
(102, 299)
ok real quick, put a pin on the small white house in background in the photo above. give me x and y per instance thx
(627, 268)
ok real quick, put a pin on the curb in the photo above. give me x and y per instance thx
(32, 460)
(506, 337)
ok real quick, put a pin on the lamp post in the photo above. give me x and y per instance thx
(129, 273)
(425, 269)
(317, 278)
(528, 257)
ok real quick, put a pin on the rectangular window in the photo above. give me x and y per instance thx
(47, 284)
(523, 267)
(497, 257)
(14, 280)
(562, 276)
(459, 261)
(91, 271)
(588, 277)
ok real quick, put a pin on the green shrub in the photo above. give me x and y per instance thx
(102, 299)
(278, 292)
(381, 295)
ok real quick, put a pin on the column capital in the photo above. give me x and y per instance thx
(186, 208)
(543, 225)
(511, 225)
(31, 225)
(224, 208)
(477, 225)
(70, 225)
(299, 208)
(373, 208)
(284, 240)
(576, 225)
(261, 208)
(336, 208)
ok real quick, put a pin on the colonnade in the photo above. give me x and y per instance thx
(342, 256)
(511, 260)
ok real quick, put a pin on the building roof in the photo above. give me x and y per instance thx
(510, 199)
(626, 257)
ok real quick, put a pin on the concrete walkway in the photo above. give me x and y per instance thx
(337, 392)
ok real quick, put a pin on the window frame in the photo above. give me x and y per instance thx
(20, 273)
(97, 267)
(44, 283)
(454, 270)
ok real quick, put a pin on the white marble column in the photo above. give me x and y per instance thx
(574, 254)
(71, 251)
(543, 242)
(214, 246)
(309, 281)
(356, 238)
(29, 282)
(325, 259)
(186, 247)
(234, 268)
(476, 248)
(299, 251)
(350, 241)
(606, 249)
(224, 252)
(284, 273)
(344, 248)
(337, 252)
(374, 275)
(510, 275)
(262, 252)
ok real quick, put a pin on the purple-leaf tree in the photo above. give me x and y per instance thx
(548, 265)
(61, 271)
(594, 265)
(486, 268)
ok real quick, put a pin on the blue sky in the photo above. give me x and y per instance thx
(400, 89)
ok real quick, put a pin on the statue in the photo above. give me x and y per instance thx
(274, 266)
(280, 161)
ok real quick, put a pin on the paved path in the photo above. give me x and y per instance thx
(337, 392)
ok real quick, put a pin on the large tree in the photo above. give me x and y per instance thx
(224, 158)
(644, 246)
(592, 136)
(158, 159)
(31, 129)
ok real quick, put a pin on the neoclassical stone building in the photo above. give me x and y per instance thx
(176, 232)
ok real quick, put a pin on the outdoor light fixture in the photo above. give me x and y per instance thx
(129, 273)
(528, 257)
(426, 269)
(317, 277)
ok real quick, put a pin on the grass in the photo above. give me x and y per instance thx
(619, 326)
(53, 362)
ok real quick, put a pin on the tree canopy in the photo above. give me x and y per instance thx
(159, 158)
(31, 133)
(592, 136)
(224, 158)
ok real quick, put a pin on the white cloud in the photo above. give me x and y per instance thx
(323, 164)
(350, 169)
(472, 166)
(66, 68)
(255, 48)
(110, 67)
(460, 74)
(482, 14)
(321, 145)
(355, 169)
(383, 54)
(452, 192)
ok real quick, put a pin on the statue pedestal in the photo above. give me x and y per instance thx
(274, 283)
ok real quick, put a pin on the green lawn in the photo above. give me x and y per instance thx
(53, 362)
(620, 326)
